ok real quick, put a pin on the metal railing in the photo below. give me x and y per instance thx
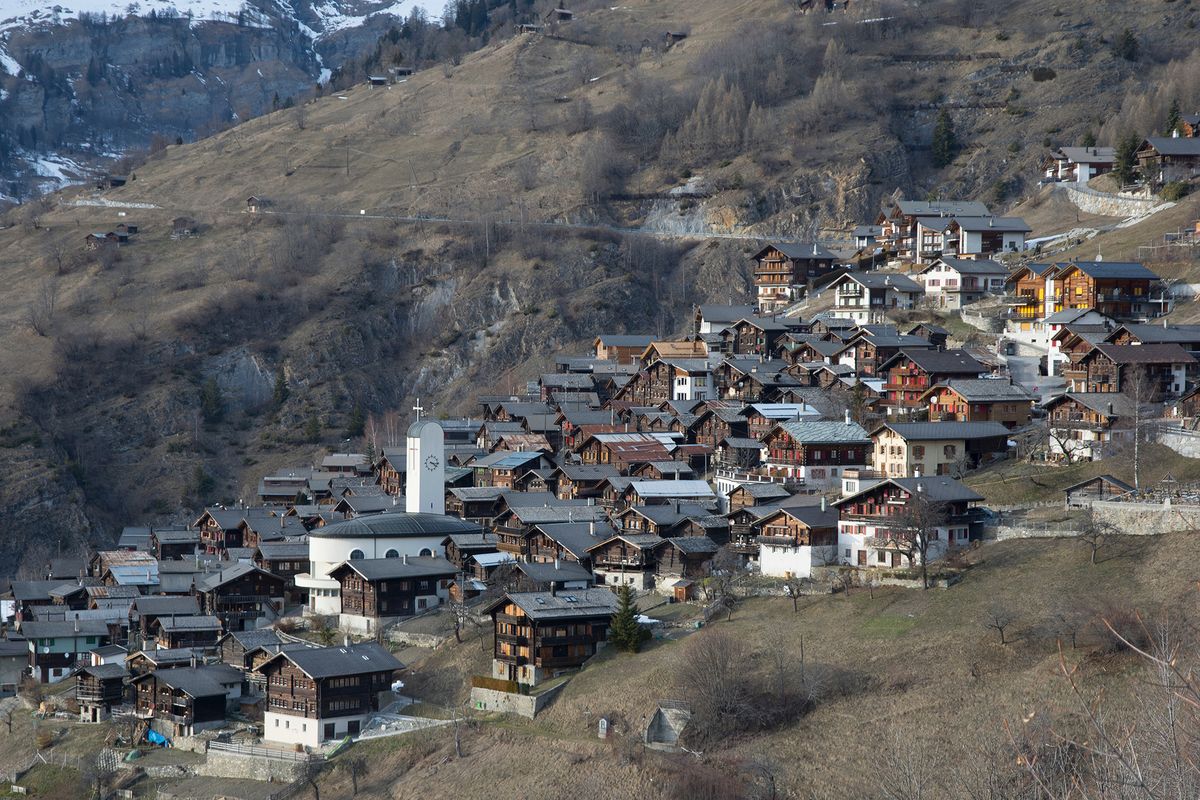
(263, 752)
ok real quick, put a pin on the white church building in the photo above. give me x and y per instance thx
(419, 531)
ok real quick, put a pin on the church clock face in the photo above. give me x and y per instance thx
(432, 463)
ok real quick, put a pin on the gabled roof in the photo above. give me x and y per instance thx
(825, 431)
(327, 662)
(933, 431)
(195, 682)
(167, 605)
(1160, 334)
(719, 313)
(969, 266)
(692, 545)
(1115, 404)
(923, 208)
(812, 516)
(214, 580)
(797, 251)
(382, 569)
(1109, 479)
(577, 537)
(547, 572)
(677, 488)
(1128, 354)
(1089, 155)
(937, 487)
(1174, 146)
(1069, 315)
(1110, 269)
(564, 604)
(1002, 224)
(762, 491)
(984, 390)
(624, 340)
(939, 361)
(882, 280)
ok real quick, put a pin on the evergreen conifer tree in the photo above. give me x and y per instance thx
(944, 143)
(625, 633)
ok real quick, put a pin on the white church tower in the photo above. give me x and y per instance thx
(425, 490)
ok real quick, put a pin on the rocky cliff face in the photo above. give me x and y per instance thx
(77, 91)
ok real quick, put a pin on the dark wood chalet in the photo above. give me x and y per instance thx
(684, 556)
(99, 687)
(382, 589)
(241, 595)
(912, 372)
(199, 632)
(174, 543)
(181, 701)
(540, 633)
(145, 611)
(460, 547)
(322, 693)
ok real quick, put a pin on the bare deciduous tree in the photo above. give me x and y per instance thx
(918, 527)
(40, 314)
(999, 619)
(1095, 533)
(355, 767)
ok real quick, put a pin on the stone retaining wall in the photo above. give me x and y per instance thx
(222, 764)
(524, 705)
(1110, 205)
(1148, 519)
(427, 640)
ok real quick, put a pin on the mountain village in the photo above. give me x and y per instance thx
(811, 440)
(837, 430)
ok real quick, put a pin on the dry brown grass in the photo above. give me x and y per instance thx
(933, 671)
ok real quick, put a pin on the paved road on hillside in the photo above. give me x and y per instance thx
(472, 221)
(1024, 370)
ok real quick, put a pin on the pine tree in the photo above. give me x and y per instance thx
(1089, 139)
(212, 405)
(1125, 157)
(356, 422)
(944, 144)
(1174, 117)
(624, 632)
(280, 395)
(312, 430)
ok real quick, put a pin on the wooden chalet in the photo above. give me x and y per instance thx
(1164, 159)
(683, 557)
(748, 495)
(980, 400)
(626, 559)
(538, 634)
(285, 559)
(581, 481)
(174, 543)
(911, 372)
(323, 693)
(99, 687)
(1108, 368)
(241, 596)
(567, 541)
(181, 701)
(145, 611)
(623, 348)
(1118, 289)
(815, 452)
(623, 450)
(784, 272)
(192, 632)
(380, 590)
(1088, 425)
(459, 547)
(1102, 487)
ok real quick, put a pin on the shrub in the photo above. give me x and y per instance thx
(1174, 191)
(1041, 74)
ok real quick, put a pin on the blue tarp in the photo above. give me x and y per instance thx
(154, 737)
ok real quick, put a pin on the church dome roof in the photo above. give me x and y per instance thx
(396, 525)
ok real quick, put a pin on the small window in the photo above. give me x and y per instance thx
(426, 552)
(357, 554)
(393, 553)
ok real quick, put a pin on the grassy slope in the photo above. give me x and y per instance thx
(934, 673)
(1007, 484)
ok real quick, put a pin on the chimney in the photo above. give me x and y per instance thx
(1110, 409)
(823, 502)
(556, 562)
(553, 589)
(920, 487)
(194, 662)
(77, 623)
(405, 557)
(847, 416)
(592, 528)
(346, 641)
(917, 471)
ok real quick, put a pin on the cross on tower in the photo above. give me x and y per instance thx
(419, 409)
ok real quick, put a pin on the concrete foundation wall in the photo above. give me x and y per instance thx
(1182, 442)
(1092, 202)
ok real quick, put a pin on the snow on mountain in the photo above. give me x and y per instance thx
(332, 15)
